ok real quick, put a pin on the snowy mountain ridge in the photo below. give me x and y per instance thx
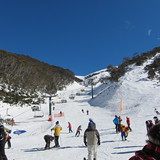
(134, 82)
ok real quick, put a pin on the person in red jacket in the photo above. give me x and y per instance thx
(69, 127)
(128, 123)
(151, 151)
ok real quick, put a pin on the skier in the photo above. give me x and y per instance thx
(151, 151)
(2, 143)
(156, 120)
(57, 129)
(91, 122)
(120, 120)
(157, 112)
(78, 131)
(149, 124)
(124, 132)
(70, 127)
(87, 112)
(128, 123)
(8, 139)
(91, 140)
(60, 113)
(117, 124)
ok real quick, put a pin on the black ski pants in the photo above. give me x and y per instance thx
(56, 139)
(2, 151)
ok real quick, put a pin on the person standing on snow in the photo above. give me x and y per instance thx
(57, 129)
(156, 120)
(91, 122)
(149, 124)
(91, 140)
(151, 151)
(48, 139)
(87, 112)
(128, 123)
(8, 139)
(70, 127)
(117, 124)
(78, 131)
(2, 143)
(124, 132)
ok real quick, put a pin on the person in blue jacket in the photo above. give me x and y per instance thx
(117, 123)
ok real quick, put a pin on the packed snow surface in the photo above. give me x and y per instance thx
(139, 97)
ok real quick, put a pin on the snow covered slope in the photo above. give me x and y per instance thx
(139, 96)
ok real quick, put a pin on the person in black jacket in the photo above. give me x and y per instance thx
(2, 143)
(48, 139)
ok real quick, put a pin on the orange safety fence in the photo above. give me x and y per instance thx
(59, 115)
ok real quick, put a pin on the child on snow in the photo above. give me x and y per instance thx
(124, 132)
(128, 123)
(69, 127)
(78, 131)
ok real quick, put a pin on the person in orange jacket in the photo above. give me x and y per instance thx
(57, 130)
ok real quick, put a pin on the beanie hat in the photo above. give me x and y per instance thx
(154, 135)
(57, 122)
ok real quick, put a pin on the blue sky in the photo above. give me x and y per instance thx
(81, 35)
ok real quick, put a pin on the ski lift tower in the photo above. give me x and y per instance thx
(91, 83)
(50, 106)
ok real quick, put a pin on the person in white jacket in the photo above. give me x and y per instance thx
(92, 140)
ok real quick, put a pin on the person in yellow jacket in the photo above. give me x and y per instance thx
(124, 132)
(57, 130)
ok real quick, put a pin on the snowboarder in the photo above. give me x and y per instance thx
(78, 131)
(2, 143)
(151, 151)
(91, 140)
(128, 123)
(57, 129)
(117, 124)
(48, 139)
(91, 122)
(70, 127)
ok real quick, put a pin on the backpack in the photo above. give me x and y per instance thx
(2, 133)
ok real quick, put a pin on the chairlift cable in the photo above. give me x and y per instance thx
(21, 113)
